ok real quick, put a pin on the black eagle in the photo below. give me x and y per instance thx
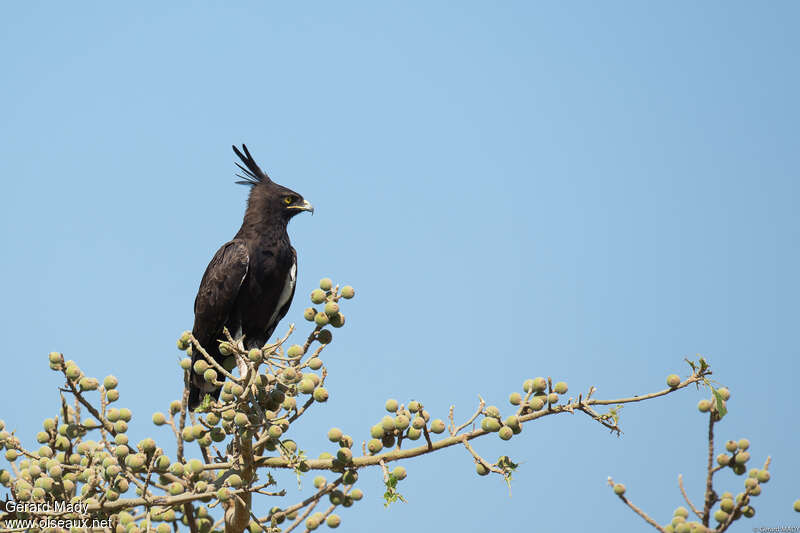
(249, 284)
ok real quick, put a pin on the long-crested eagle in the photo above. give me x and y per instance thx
(249, 284)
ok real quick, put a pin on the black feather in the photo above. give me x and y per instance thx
(253, 173)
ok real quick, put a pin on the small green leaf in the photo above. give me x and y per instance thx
(391, 495)
(721, 410)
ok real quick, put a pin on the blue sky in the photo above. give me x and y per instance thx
(585, 191)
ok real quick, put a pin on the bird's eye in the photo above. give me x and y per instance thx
(289, 200)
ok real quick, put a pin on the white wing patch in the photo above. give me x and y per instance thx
(286, 293)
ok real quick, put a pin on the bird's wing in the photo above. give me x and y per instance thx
(215, 299)
(218, 290)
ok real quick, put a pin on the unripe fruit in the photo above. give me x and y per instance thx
(162, 462)
(112, 395)
(414, 406)
(175, 488)
(319, 482)
(88, 384)
(560, 387)
(210, 375)
(704, 406)
(619, 489)
(720, 515)
(681, 511)
(748, 511)
(315, 363)
(552, 398)
(73, 372)
(481, 469)
(294, 351)
(796, 506)
(724, 393)
(175, 406)
(289, 373)
(505, 433)
(750, 483)
(673, 380)
(391, 405)
(325, 284)
(240, 419)
(399, 472)
(741, 458)
(254, 355)
(331, 308)
(121, 451)
(321, 394)
(418, 422)
(437, 426)
(335, 434)
(401, 422)
(345, 455)
(333, 521)
(309, 313)
(539, 384)
(321, 319)
(493, 411)
(374, 446)
(200, 366)
(212, 419)
(536, 403)
(413, 434)
(731, 446)
(120, 426)
(743, 444)
(147, 445)
(306, 386)
(225, 348)
(324, 336)
(515, 398)
(317, 296)
(377, 431)
(55, 358)
(347, 292)
(727, 505)
(763, 476)
(490, 424)
(723, 459)
(110, 382)
(350, 477)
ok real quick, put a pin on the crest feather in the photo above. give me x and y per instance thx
(253, 175)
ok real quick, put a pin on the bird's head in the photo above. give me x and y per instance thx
(271, 196)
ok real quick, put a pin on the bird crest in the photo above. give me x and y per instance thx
(253, 175)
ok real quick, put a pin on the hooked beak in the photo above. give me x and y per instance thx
(306, 206)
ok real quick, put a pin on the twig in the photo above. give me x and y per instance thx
(686, 497)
